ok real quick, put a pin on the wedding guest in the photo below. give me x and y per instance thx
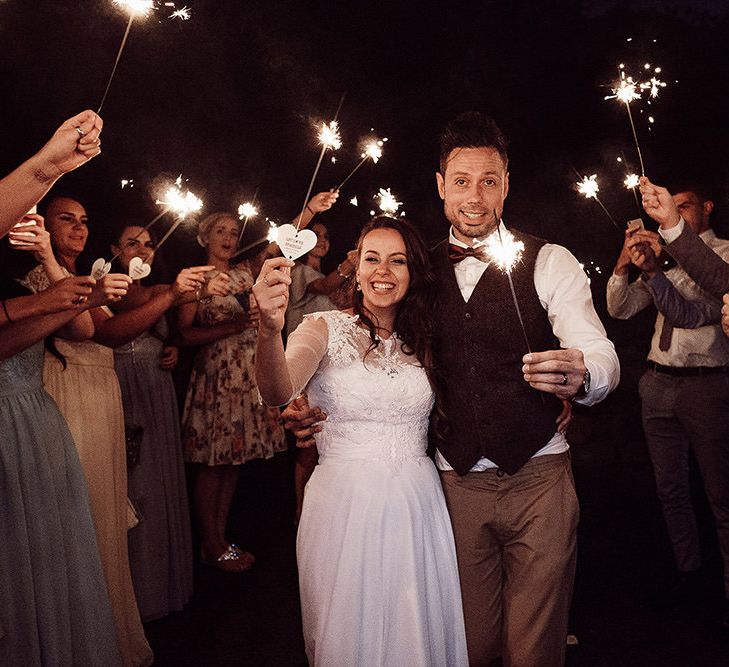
(224, 426)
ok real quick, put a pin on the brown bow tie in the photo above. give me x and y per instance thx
(457, 254)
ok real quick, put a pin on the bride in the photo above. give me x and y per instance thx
(377, 564)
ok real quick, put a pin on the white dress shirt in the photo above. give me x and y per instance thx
(564, 292)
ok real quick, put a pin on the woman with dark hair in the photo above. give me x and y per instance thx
(377, 564)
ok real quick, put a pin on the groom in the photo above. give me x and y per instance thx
(504, 467)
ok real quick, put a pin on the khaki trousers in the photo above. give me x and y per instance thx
(516, 545)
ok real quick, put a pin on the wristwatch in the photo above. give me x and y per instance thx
(585, 387)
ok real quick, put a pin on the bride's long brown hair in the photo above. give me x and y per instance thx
(414, 322)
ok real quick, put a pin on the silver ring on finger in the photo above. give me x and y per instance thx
(564, 379)
(81, 133)
(265, 279)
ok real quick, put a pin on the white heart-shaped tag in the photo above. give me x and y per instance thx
(295, 243)
(100, 268)
(138, 269)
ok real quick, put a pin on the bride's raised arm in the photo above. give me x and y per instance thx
(280, 375)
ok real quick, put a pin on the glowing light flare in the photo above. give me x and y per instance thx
(631, 181)
(272, 236)
(247, 210)
(504, 250)
(136, 7)
(373, 150)
(387, 201)
(354, 201)
(329, 136)
(127, 182)
(183, 14)
(588, 186)
(179, 202)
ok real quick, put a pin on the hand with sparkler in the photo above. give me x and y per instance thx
(74, 143)
(658, 204)
(559, 372)
(320, 202)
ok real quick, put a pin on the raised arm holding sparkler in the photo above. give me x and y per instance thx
(74, 143)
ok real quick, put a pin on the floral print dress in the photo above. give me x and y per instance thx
(223, 421)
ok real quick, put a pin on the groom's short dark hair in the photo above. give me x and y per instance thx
(472, 129)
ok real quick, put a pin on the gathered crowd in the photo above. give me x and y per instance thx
(429, 393)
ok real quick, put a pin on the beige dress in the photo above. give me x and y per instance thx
(88, 395)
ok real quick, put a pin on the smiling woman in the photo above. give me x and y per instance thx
(377, 565)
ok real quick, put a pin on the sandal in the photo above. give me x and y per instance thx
(231, 560)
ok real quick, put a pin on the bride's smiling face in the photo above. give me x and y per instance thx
(383, 270)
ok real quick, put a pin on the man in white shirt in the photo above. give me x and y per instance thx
(505, 468)
(695, 405)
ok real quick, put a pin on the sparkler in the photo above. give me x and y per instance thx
(271, 237)
(631, 182)
(180, 203)
(627, 91)
(329, 138)
(372, 151)
(505, 251)
(135, 8)
(388, 202)
(589, 188)
(183, 14)
(245, 212)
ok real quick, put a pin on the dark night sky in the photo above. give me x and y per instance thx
(229, 97)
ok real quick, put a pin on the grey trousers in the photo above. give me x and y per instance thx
(516, 547)
(678, 413)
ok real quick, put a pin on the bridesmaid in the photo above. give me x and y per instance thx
(224, 425)
(55, 607)
(80, 376)
(160, 548)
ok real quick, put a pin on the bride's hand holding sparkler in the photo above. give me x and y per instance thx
(75, 142)
(559, 372)
(271, 292)
(323, 201)
(659, 204)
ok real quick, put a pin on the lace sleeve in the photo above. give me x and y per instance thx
(305, 349)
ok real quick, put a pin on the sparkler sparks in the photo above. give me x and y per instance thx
(329, 136)
(372, 151)
(272, 235)
(388, 202)
(183, 14)
(247, 210)
(136, 7)
(179, 202)
(588, 186)
(504, 250)
(631, 181)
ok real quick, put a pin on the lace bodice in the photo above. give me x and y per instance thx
(377, 407)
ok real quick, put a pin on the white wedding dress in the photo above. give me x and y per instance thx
(377, 564)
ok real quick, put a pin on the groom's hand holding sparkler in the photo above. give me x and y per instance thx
(658, 204)
(558, 372)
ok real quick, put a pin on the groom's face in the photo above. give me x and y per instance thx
(473, 189)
